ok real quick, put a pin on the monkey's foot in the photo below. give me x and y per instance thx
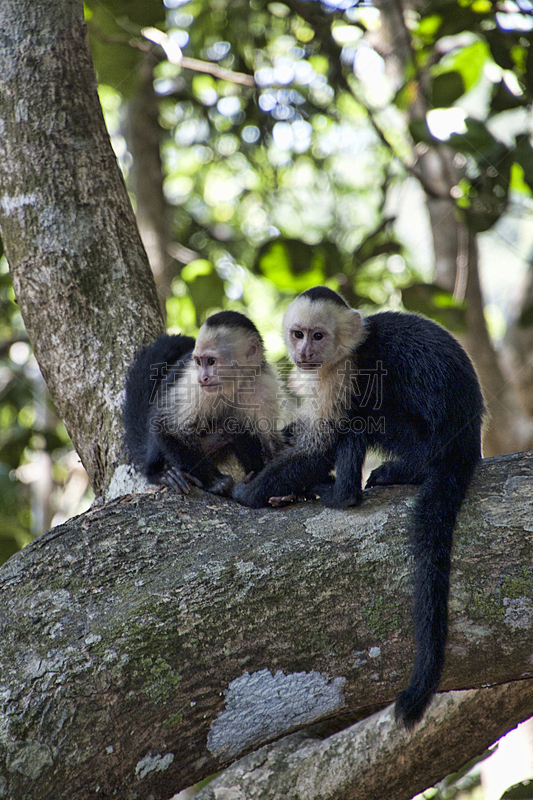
(222, 485)
(390, 473)
(328, 497)
(180, 481)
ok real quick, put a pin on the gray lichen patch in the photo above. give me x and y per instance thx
(126, 480)
(151, 763)
(518, 613)
(338, 526)
(261, 706)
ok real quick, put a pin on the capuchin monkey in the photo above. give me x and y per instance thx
(190, 404)
(402, 385)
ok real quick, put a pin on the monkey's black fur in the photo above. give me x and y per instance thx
(231, 319)
(426, 413)
(323, 293)
(148, 371)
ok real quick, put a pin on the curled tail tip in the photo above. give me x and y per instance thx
(410, 707)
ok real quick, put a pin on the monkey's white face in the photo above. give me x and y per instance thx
(320, 333)
(207, 365)
(223, 347)
(308, 346)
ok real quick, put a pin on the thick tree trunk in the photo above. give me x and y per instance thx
(153, 641)
(80, 272)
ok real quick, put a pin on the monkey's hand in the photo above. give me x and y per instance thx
(180, 481)
(222, 485)
(279, 502)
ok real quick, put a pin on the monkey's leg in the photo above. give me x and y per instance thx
(249, 452)
(391, 472)
(290, 472)
(346, 489)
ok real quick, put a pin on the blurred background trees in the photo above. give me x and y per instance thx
(270, 146)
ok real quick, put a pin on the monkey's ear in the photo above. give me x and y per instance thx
(355, 322)
(254, 350)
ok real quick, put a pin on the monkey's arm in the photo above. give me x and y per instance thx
(249, 451)
(290, 472)
(178, 460)
(346, 490)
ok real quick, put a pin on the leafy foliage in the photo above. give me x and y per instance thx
(479, 49)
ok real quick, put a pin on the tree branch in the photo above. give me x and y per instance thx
(375, 758)
(153, 641)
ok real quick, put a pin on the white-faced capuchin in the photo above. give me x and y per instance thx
(400, 384)
(190, 404)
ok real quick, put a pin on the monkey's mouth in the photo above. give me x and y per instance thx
(308, 365)
(211, 387)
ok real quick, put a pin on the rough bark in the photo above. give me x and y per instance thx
(155, 640)
(375, 758)
(80, 273)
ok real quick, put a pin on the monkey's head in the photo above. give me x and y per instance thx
(320, 329)
(227, 342)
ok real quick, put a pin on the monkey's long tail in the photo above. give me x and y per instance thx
(435, 512)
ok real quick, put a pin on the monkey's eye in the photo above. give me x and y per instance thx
(298, 334)
(317, 336)
(197, 361)
(211, 362)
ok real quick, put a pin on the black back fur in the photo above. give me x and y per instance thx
(151, 366)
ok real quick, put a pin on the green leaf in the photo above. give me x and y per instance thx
(469, 62)
(446, 88)
(517, 182)
(523, 155)
(500, 45)
(503, 100)
(116, 62)
(205, 286)
(478, 142)
(420, 132)
(292, 265)
(428, 26)
(200, 266)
